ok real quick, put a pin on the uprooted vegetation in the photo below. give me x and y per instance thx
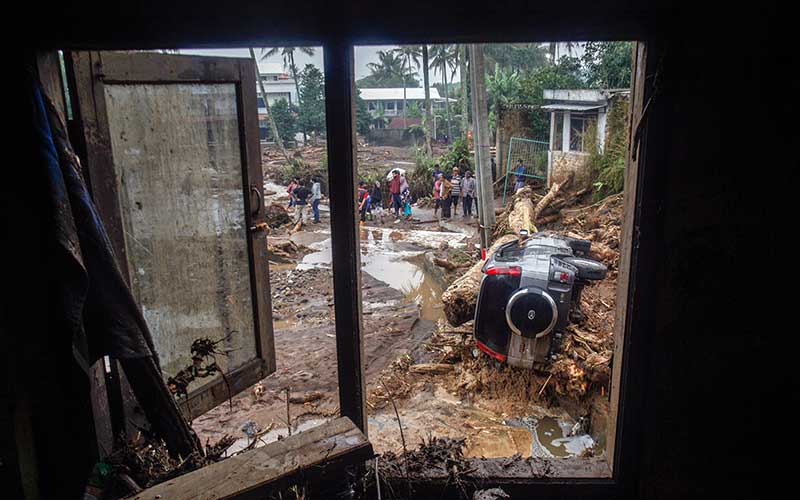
(578, 379)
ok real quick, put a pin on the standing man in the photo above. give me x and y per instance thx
(436, 172)
(376, 201)
(363, 201)
(394, 189)
(316, 195)
(455, 180)
(437, 187)
(519, 170)
(445, 191)
(300, 195)
(468, 191)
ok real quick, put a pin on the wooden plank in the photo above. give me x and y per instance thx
(339, 85)
(257, 471)
(120, 67)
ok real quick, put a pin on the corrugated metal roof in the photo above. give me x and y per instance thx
(571, 107)
(392, 94)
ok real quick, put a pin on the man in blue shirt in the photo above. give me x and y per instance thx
(518, 171)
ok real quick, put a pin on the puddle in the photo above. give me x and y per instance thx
(387, 255)
(550, 437)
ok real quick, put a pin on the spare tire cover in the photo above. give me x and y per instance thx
(588, 269)
(531, 312)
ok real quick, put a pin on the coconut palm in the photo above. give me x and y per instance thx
(443, 57)
(287, 53)
(410, 55)
(270, 117)
(388, 68)
(462, 69)
(428, 111)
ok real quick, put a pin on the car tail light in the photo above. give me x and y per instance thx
(508, 270)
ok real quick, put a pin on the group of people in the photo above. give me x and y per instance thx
(370, 200)
(299, 193)
(450, 189)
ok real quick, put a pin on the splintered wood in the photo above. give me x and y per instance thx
(258, 471)
(461, 297)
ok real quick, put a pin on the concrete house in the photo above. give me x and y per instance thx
(573, 114)
(390, 100)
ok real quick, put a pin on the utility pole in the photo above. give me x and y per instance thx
(480, 135)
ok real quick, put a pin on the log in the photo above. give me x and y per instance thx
(431, 368)
(461, 297)
(445, 264)
(550, 196)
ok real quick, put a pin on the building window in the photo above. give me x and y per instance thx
(371, 106)
(558, 131)
(260, 102)
(390, 105)
(579, 128)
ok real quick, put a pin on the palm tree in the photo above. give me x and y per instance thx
(462, 69)
(388, 67)
(270, 118)
(287, 53)
(428, 111)
(444, 58)
(410, 55)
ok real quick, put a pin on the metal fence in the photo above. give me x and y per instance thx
(533, 154)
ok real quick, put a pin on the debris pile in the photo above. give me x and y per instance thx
(276, 215)
(583, 366)
(143, 461)
(286, 251)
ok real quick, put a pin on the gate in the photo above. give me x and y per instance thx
(533, 154)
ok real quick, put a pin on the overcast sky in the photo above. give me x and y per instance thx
(364, 55)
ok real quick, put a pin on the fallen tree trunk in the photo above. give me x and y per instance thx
(446, 264)
(550, 196)
(431, 368)
(461, 297)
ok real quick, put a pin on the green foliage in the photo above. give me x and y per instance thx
(312, 100)
(285, 117)
(390, 71)
(515, 56)
(457, 155)
(609, 166)
(608, 64)
(566, 74)
(414, 110)
(363, 118)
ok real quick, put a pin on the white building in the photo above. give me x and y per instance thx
(390, 100)
(278, 84)
(573, 113)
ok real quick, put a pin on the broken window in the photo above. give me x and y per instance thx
(581, 126)
(558, 131)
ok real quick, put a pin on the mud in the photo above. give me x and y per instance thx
(496, 410)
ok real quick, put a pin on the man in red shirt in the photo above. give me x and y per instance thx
(394, 188)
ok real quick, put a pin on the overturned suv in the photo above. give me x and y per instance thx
(530, 291)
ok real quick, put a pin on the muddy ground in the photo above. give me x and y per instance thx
(500, 411)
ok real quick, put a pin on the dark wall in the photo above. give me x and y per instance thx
(697, 421)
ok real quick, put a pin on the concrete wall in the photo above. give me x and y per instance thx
(562, 163)
(390, 137)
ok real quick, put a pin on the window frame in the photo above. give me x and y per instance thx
(632, 306)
